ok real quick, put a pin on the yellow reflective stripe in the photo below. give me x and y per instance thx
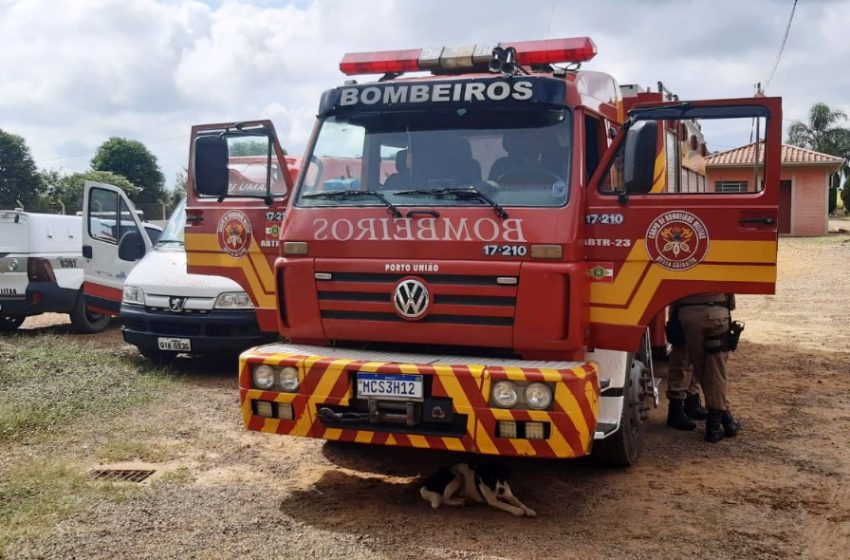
(391, 440)
(332, 433)
(556, 440)
(709, 273)
(483, 441)
(659, 174)
(363, 437)
(202, 249)
(570, 405)
(626, 281)
(452, 444)
(418, 441)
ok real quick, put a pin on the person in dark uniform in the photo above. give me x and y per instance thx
(683, 387)
(705, 320)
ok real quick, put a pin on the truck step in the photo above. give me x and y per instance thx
(604, 384)
(604, 429)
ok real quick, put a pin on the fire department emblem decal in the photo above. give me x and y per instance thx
(234, 233)
(411, 299)
(677, 240)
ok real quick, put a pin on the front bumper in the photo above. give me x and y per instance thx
(457, 385)
(216, 331)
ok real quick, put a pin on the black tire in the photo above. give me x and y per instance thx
(10, 323)
(623, 448)
(84, 321)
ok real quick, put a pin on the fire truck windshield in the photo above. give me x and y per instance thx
(516, 157)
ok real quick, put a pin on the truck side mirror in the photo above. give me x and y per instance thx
(211, 173)
(639, 164)
(131, 247)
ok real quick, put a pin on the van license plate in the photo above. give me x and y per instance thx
(389, 386)
(175, 344)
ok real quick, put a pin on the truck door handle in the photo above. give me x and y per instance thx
(194, 219)
(768, 221)
(87, 252)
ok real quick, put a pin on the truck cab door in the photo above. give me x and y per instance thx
(114, 240)
(239, 181)
(685, 201)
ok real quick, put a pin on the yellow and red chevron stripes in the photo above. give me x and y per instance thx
(572, 417)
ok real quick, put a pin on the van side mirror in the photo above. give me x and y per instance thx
(211, 173)
(639, 158)
(131, 247)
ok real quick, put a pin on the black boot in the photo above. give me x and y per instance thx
(693, 408)
(714, 431)
(676, 416)
(730, 425)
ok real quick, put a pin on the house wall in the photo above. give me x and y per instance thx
(809, 191)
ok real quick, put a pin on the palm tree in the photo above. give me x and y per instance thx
(823, 134)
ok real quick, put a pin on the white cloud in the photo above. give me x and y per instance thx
(75, 73)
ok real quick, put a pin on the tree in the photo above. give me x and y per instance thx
(181, 181)
(67, 191)
(823, 134)
(134, 161)
(19, 179)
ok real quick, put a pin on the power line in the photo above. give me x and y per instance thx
(551, 14)
(782, 46)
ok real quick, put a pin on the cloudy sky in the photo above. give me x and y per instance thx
(75, 72)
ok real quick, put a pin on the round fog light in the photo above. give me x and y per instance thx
(263, 376)
(505, 394)
(538, 396)
(289, 379)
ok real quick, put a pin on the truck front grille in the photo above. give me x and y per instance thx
(455, 299)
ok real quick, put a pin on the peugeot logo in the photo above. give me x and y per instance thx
(176, 303)
(411, 299)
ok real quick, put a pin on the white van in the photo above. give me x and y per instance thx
(41, 270)
(164, 310)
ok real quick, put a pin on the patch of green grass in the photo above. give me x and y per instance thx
(47, 382)
(117, 450)
(180, 475)
(36, 496)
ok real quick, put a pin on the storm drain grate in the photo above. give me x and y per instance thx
(121, 475)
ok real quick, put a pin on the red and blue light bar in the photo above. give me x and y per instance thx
(528, 53)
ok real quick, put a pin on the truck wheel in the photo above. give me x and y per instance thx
(622, 449)
(10, 323)
(85, 321)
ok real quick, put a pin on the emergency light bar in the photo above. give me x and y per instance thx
(528, 53)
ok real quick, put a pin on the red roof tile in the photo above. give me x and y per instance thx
(791, 155)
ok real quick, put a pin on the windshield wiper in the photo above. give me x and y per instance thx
(469, 192)
(167, 241)
(354, 193)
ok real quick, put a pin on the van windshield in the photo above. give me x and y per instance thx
(174, 229)
(516, 157)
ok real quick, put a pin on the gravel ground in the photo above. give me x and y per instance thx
(778, 490)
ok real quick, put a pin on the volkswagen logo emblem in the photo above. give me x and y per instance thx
(176, 303)
(411, 299)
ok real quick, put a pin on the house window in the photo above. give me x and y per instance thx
(730, 186)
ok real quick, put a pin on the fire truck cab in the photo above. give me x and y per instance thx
(470, 259)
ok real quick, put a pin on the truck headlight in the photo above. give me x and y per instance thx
(233, 300)
(134, 295)
(288, 379)
(263, 376)
(504, 394)
(538, 396)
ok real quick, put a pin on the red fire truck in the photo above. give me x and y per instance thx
(476, 245)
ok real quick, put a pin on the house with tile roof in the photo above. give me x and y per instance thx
(803, 188)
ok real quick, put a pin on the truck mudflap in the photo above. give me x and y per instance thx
(451, 411)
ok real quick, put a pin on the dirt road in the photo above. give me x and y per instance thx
(778, 490)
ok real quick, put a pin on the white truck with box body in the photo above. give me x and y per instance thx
(41, 270)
